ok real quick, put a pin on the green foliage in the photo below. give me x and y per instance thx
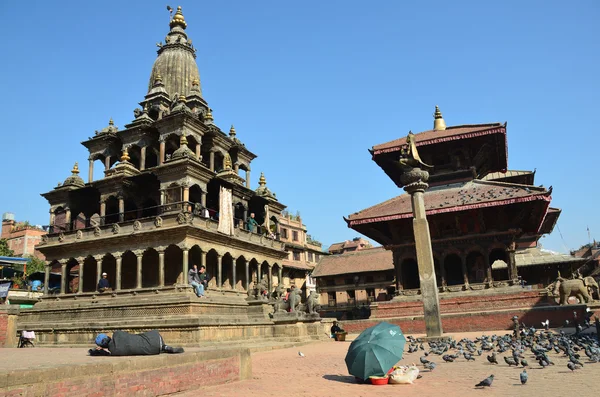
(4, 250)
(35, 265)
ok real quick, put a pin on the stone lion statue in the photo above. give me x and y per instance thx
(312, 303)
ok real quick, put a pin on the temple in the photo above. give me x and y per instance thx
(485, 220)
(171, 197)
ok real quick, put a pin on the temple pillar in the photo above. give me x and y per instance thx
(463, 260)
(162, 197)
(414, 181)
(270, 279)
(203, 199)
(212, 160)
(63, 276)
(186, 194)
(161, 153)
(245, 215)
(280, 275)
(91, 170)
(121, 208)
(258, 275)
(236, 168)
(102, 211)
(203, 260)
(68, 218)
(118, 266)
(247, 274)
(139, 256)
(161, 266)
(248, 179)
(186, 265)
(106, 163)
(513, 274)
(143, 158)
(488, 268)
(233, 265)
(219, 271)
(80, 286)
(46, 277)
(52, 217)
(199, 149)
(398, 272)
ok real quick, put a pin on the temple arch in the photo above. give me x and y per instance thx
(240, 273)
(211, 268)
(109, 266)
(476, 267)
(410, 274)
(112, 210)
(227, 271)
(173, 265)
(150, 268)
(453, 269)
(89, 274)
(128, 270)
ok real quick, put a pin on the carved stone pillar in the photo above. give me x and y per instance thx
(280, 275)
(512, 263)
(63, 276)
(463, 260)
(236, 168)
(186, 193)
(46, 277)
(270, 278)
(258, 271)
(488, 268)
(414, 181)
(121, 208)
(162, 197)
(247, 274)
(212, 160)
(398, 272)
(248, 178)
(98, 271)
(80, 286)
(91, 170)
(186, 265)
(199, 150)
(245, 215)
(161, 266)
(161, 154)
(102, 211)
(203, 199)
(140, 255)
(143, 158)
(68, 218)
(52, 217)
(219, 271)
(118, 269)
(233, 280)
(203, 260)
(107, 163)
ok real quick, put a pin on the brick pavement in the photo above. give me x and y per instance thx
(323, 373)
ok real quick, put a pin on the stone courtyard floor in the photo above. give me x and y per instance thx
(323, 373)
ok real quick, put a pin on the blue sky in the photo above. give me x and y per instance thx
(310, 86)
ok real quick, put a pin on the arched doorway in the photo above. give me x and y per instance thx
(72, 285)
(89, 274)
(227, 271)
(410, 274)
(173, 265)
(112, 210)
(453, 270)
(499, 262)
(109, 266)
(150, 268)
(128, 270)
(240, 274)
(211, 268)
(476, 267)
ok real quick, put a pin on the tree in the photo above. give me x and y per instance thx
(4, 250)
(35, 265)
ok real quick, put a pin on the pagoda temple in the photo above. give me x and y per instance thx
(485, 220)
(171, 197)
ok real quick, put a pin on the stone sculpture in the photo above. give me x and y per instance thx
(294, 299)
(312, 303)
(577, 287)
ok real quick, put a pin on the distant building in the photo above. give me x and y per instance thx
(21, 237)
(356, 244)
(591, 253)
(352, 280)
(303, 252)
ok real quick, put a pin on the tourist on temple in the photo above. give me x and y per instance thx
(335, 328)
(103, 284)
(251, 223)
(125, 344)
(197, 279)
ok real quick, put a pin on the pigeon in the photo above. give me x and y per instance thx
(423, 360)
(510, 362)
(543, 363)
(492, 358)
(447, 358)
(301, 354)
(575, 361)
(468, 356)
(524, 377)
(572, 366)
(524, 363)
(486, 382)
(430, 365)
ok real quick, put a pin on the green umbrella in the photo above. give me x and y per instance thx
(375, 351)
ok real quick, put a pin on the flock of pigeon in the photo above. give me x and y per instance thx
(530, 343)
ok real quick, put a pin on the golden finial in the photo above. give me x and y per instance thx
(111, 122)
(75, 169)
(125, 157)
(262, 181)
(438, 121)
(157, 78)
(232, 131)
(209, 115)
(182, 140)
(182, 98)
(178, 19)
(227, 162)
(195, 82)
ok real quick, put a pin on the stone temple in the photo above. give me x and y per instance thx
(172, 196)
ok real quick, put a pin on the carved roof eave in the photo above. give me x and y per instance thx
(100, 140)
(244, 153)
(152, 97)
(134, 133)
(136, 125)
(58, 195)
(180, 122)
(184, 167)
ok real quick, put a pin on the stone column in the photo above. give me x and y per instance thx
(46, 277)
(212, 160)
(414, 181)
(102, 211)
(98, 271)
(512, 263)
(161, 266)
(248, 179)
(63, 276)
(199, 149)
(80, 286)
(247, 274)
(106, 163)
(488, 268)
(68, 218)
(186, 265)
(161, 154)
(143, 158)
(52, 217)
(91, 170)
(203, 260)
(463, 259)
(245, 215)
(236, 168)
(162, 197)
(186, 194)
(270, 279)
(258, 269)
(203, 198)
(219, 271)
(233, 265)
(280, 275)
(139, 254)
(398, 269)
(121, 209)
(118, 269)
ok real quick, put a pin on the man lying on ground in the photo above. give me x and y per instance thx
(125, 344)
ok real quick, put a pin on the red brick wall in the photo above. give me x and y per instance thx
(3, 327)
(141, 383)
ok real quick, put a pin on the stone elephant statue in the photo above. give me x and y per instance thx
(577, 287)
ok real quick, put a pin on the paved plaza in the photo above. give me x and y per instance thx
(323, 373)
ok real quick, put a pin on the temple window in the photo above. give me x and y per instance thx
(331, 298)
(294, 235)
(284, 233)
(296, 255)
(310, 256)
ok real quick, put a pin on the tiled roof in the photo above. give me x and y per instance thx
(537, 256)
(449, 134)
(450, 198)
(297, 265)
(336, 247)
(366, 260)
(508, 174)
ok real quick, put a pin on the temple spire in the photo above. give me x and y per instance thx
(178, 19)
(438, 121)
(75, 169)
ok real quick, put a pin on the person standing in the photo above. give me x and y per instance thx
(251, 223)
(196, 280)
